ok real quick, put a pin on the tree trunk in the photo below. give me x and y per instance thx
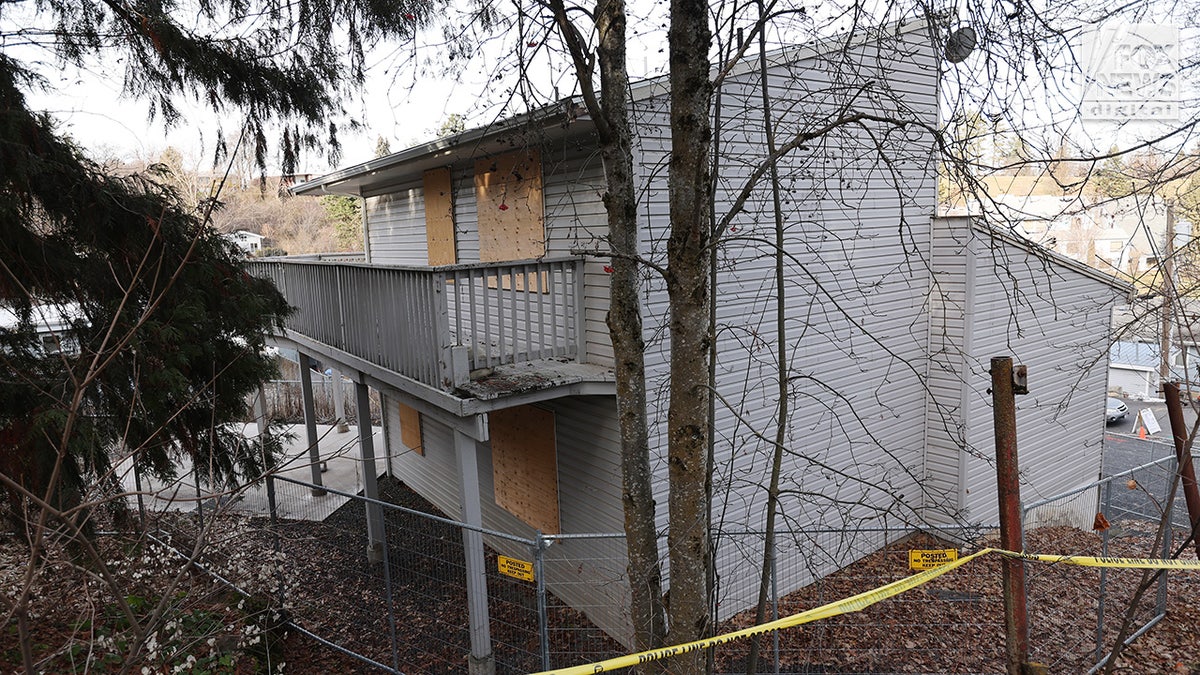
(687, 288)
(610, 113)
(625, 331)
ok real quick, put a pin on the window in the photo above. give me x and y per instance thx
(525, 465)
(508, 194)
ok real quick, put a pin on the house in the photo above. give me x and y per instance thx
(249, 242)
(479, 314)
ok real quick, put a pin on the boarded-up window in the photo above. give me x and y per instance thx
(525, 465)
(439, 217)
(410, 429)
(508, 192)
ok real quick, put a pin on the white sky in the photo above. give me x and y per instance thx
(404, 103)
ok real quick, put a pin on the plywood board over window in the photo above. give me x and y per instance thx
(410, 429)
(525, 465)
(508, 192)
(439, 217)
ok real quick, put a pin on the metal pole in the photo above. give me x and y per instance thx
(310, 424)
(370, 474)
(1168, 290)
(137, 484)
(539, 572)
(1183, 455)
(1102, 600)
(1161, 604)
(1016, 623)
(271, 505)
(391, 607)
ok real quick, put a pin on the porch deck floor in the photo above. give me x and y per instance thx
(343, 472)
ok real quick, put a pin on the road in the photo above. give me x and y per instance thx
(1123, 450)
(1160, 413)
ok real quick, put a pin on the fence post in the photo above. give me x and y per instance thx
(273, 509)
(1183, 457)
(775, 600)
(137, 484)
(310, 424)
(391, 607)
(1103, 574)
(1165, 552)
(1004, 412)
(370, 475)
(539, 576)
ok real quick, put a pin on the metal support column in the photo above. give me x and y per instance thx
(482, 662)
(370, 474)
(310, 423)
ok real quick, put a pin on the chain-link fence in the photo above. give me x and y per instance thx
(560, 600)
(1130, 514)
(405, 607)
(408, 610)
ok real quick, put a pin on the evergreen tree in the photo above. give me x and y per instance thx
(158, 330)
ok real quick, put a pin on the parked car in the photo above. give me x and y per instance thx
(1115, 410)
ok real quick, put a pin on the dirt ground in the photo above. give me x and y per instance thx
(952, 625)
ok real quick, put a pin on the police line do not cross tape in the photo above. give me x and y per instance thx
(863, 600)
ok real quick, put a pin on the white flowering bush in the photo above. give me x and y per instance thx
(183, 620)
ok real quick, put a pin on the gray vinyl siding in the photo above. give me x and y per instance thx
(395, 225)
(589, 501)
(433, 475)
(857, 222)
(1053, 319)
(575, 221)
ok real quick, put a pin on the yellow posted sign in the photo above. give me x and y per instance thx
(928, 559)
(518, 569)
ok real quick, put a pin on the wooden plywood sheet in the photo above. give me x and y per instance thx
(508, 192)
(410, 429)
(439, 217)
(525, 465)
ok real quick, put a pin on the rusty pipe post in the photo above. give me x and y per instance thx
(1004, 411)
(1187, 472)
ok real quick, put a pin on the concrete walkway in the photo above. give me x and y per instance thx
(341, 466)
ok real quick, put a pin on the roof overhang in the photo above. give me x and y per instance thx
(562, 121)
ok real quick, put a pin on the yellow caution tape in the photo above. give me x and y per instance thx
(852, 604)
(860, 602)
(1096, 561)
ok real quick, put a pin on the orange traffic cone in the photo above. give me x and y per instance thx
(1142, 432)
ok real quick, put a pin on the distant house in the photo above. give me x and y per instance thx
(248, 241)
(1134, 367)
(480, 320)
(52, 324)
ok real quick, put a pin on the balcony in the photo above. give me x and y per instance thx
(436, 325)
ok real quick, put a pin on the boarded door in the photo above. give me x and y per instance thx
(508, 192)
(525, 465)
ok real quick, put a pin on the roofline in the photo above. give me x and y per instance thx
(658, 86)
(325, 184)
(566, 108)
(979, 225)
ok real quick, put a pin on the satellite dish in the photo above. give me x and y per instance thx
(960, 44)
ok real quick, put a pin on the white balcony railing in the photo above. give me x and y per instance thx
(436, 324)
